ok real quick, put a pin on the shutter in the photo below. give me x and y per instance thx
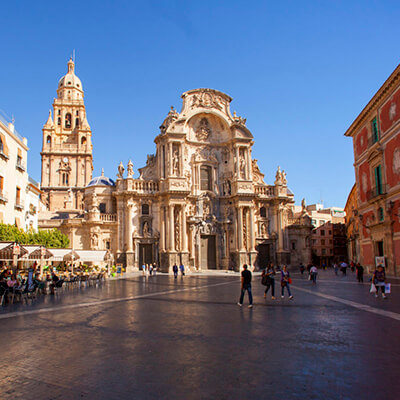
(5, 147)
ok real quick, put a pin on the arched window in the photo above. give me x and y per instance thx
(205, 177)
(381, 214)
(145, 209)
(263, 212)
(65, 179)
(1, 146)
(83, 140)
(77, 122)
(68, 120)
(48, 140)
(59, 121)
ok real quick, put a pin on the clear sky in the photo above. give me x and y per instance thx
(299, 71)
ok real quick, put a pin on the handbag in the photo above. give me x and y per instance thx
(265, 280)
(290, 280)
(388, 287)
(373, 288)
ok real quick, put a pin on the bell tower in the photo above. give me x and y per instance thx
(67, 160)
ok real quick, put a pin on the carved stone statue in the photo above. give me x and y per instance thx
(95, 203)
(130, 169)
(95, 241)
(175, 163)
(145, 228)
(242, 164)
(121, 170)
(203, 131)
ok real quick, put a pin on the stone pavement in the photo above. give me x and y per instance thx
(160, 338)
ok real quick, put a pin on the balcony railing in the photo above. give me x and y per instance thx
(376, 191)
(267, 191)
(3, 196)
(144, 186)
(20, 165)
(19, 204)
(108, 217)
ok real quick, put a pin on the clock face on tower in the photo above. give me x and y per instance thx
(65, 159)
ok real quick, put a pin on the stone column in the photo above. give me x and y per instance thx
(162, 229)
(170, 159)
(249, 177)
(171, 228)
(252, 237)
(240, 228)
(129, 244)
(184, 231)
(237, 162)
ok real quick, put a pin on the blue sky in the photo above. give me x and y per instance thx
(299, 71)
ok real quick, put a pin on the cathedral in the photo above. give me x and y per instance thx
(200, 200)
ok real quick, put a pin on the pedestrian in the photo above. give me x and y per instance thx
(151, 269)
(352, 265)
(379, 280)
(182, 269)
(343, 268)
(285, 282)
(336, 268)
(144, 269)
(268, 280)
(175, 270)
(302, 268)
(245, 285)
(313, 274)
(360, 272)
(154, 269)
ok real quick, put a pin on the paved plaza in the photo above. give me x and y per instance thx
(160, 338)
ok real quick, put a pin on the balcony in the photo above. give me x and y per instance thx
(20, 166)
(376, 192)
(3, 196)
(264, 191)
(108, 217)
(19, 204)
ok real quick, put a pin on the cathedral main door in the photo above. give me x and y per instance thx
(208, 254)
(145, 254)
(264, 255)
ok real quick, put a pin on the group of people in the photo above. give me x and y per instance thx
(175, 270)
(149, 269)
(268, 280)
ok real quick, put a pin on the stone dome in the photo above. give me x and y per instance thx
(101, 181)
(70, 80)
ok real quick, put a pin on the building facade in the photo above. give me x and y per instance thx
(67, 147)
(13, 175)
(376, 144)
(352, 226)
(200, 199)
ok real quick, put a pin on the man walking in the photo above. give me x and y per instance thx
(175, 270)
(360, 272)
(246, 285)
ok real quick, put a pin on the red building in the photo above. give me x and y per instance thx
(376, 142)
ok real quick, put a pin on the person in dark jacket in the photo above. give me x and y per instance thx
(245, 286)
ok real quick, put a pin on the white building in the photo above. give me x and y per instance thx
(16, 193)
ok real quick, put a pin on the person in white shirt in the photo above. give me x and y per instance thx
(313, 274)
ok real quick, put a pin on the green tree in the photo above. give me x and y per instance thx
(52, 238)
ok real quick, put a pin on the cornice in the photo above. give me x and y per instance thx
(374, 102)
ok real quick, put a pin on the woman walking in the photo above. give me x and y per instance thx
(267, 279)
(313, 274)
(285, 282)
(379, 279)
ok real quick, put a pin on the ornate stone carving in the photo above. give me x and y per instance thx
(121, 170)
(392, 111)
(396, 161)
(206, 99)
(239, 120)
(203, 131)
(258, 177)
(130, 169)
(177, 230)
(280, 177)
(171, 117)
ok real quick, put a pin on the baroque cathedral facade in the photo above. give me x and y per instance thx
(200, 199)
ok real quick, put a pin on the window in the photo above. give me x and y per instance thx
(375, 132)
(379, 248)
(48, 140)
(77, 122)
(145, 209)
(263, 212)
(65, 179)
(102, 208)
(108, 245)
(77, 113)
(83, 140)
(18, 196)
(381, 215)
(68, 119)
(205, 178)
(322, 232)
(293, 245)
(323, 252)
(378, 180)
(330, 232)
(322, 242)
(331, 251)
(1, 146)
(58, 121)
(1, 185)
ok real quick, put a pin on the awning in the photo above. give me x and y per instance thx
(93, 255)
(71, 256)
(7, 251)
(58, 254)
